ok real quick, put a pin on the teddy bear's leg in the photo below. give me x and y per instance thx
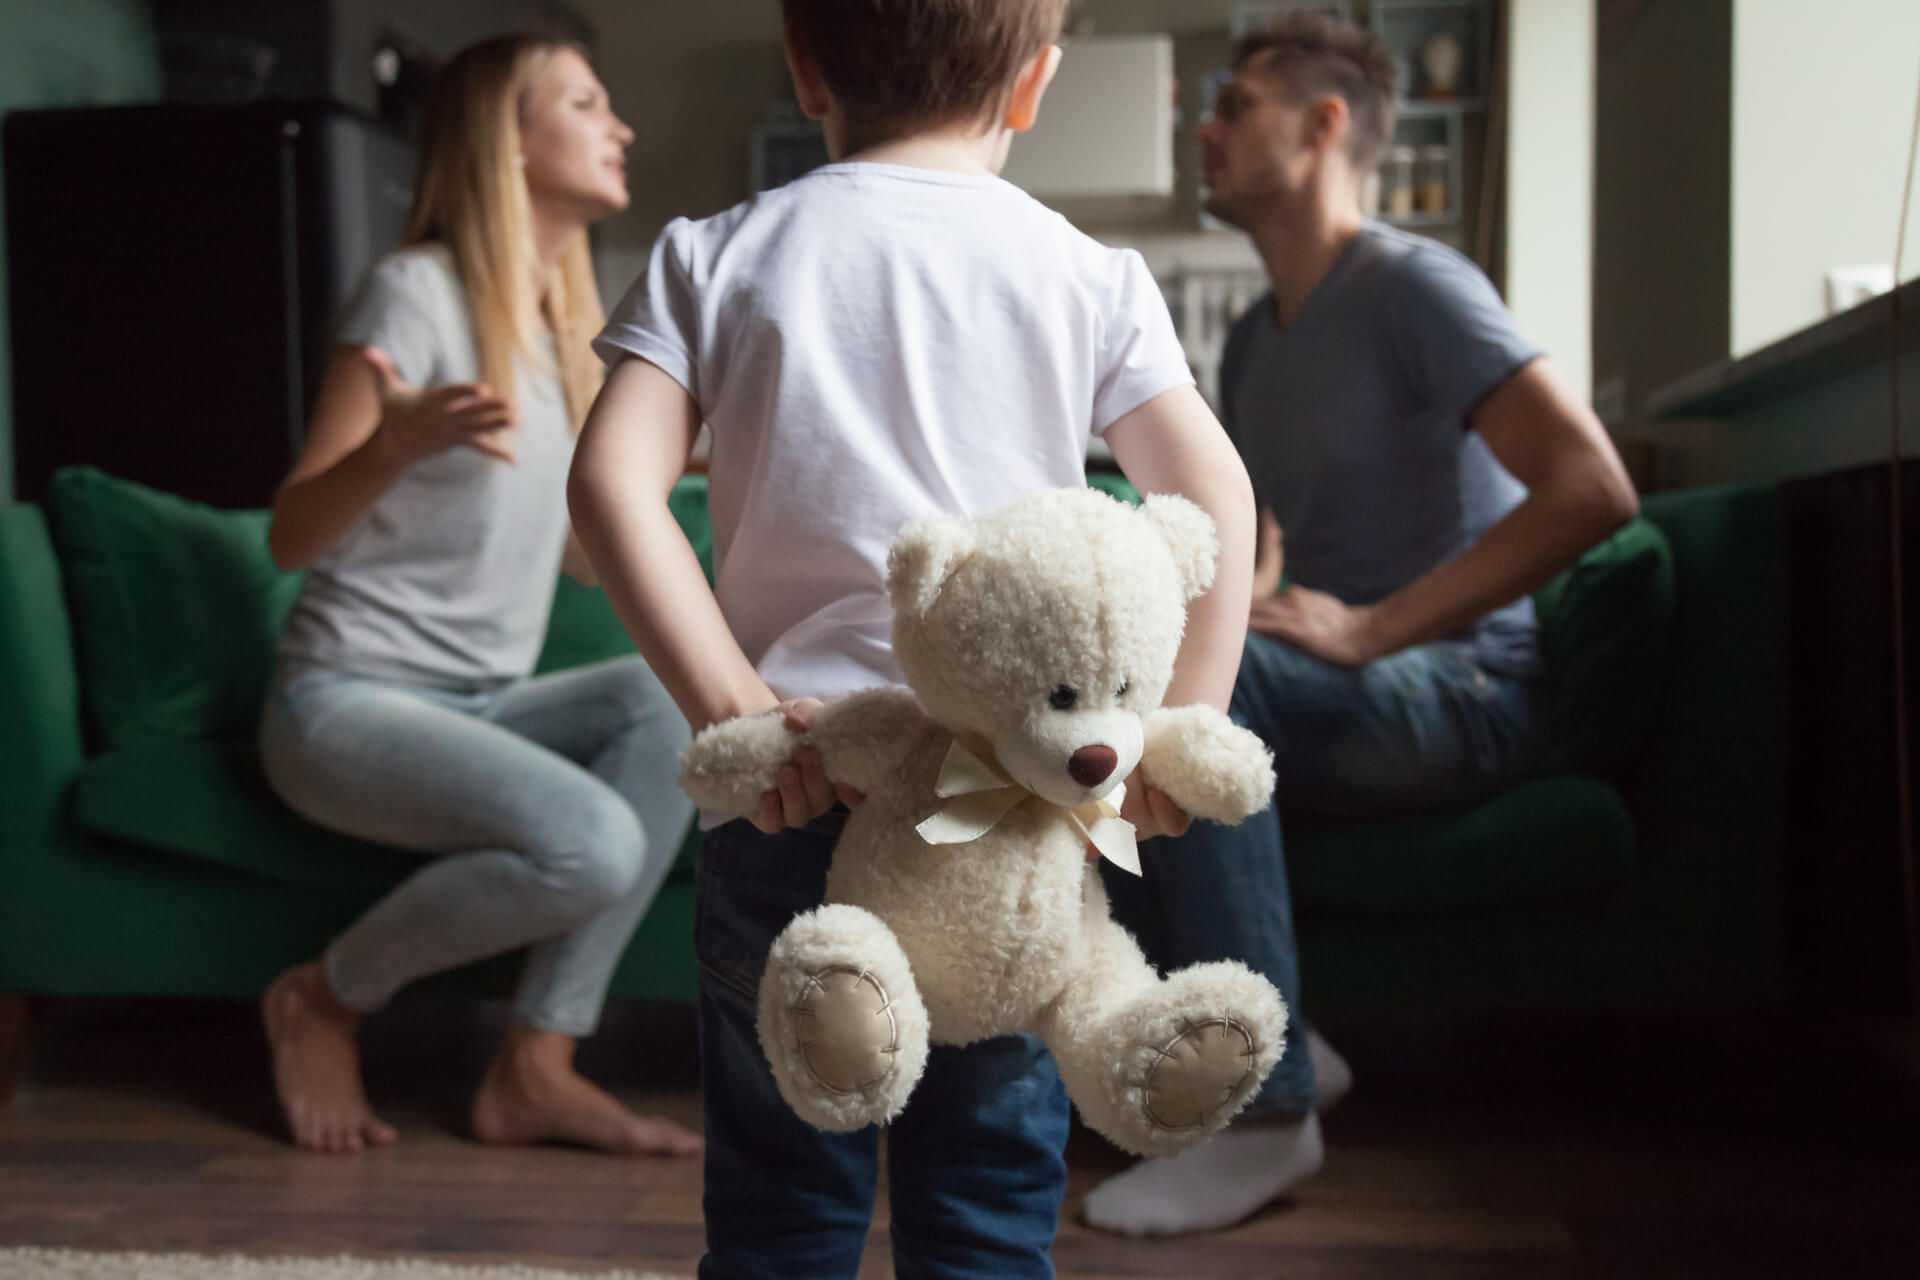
(841, 1021)
(1157, 1065)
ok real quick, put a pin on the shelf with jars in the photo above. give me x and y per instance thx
(1444, 52)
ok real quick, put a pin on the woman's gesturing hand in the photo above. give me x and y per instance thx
(416, 422)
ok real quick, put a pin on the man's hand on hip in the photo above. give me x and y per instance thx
(1318, 624)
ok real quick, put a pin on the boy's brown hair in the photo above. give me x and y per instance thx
(1315, 54)
(896, 66)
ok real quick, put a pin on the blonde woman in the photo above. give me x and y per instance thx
(429, 510)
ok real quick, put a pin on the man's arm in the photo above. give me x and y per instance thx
(631, 451)
(1577, 493)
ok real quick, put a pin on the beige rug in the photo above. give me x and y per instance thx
(70, 1264)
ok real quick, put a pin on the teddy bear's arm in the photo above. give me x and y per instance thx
(728, 765)
(1207, 764)
(865, 738)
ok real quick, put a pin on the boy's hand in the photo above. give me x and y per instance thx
(802, 791)
(1151, 813)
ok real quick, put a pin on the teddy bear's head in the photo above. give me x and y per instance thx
(1049, 627)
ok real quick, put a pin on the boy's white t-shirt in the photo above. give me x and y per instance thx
(870, 344)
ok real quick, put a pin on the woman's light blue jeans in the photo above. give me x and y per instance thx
(550, 804)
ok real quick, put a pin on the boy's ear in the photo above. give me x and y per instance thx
(1023, 108)
(809, 86)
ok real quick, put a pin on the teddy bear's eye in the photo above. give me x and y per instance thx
(1121, 692)
(1063, 697)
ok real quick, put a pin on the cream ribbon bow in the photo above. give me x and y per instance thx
(979, 794)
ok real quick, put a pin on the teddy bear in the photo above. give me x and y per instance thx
(1037, 641)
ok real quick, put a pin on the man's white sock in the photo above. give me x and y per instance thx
(1215, 1184)
(1229, 1176)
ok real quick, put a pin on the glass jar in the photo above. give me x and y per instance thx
(1397, 181)
(1436, 165)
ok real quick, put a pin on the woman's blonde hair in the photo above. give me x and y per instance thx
(471, 195)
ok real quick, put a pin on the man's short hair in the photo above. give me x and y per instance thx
(1315, 54)
(901, 65)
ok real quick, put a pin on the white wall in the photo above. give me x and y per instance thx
(1823, 103)
(1550, 180)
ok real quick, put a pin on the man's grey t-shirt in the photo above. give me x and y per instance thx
(1353, 421)
(448, 579)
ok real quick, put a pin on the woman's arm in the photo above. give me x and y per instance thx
(367, 428)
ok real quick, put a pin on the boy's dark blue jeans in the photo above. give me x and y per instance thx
(975, 1170)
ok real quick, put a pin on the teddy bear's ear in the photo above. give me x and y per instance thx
(922, 558)
(1189, 534)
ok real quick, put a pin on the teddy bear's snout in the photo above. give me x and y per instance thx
(1091, 766)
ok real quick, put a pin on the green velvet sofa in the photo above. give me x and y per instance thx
(141, 853)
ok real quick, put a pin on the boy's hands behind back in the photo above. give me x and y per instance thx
(802, 791)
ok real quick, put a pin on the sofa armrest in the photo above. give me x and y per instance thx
(41, 746)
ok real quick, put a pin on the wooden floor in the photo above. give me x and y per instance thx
(1535, 1149)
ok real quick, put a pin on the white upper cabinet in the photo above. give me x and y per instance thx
(1106, 125)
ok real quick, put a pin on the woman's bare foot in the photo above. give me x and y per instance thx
(316, 1064)
(533, 1094)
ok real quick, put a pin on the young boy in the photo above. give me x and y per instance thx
(897, 333)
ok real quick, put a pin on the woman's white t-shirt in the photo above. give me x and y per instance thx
(448, 579)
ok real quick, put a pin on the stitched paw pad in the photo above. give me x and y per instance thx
(845, 1029)
(1198, 1073)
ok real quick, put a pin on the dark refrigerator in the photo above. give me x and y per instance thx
(174, 274)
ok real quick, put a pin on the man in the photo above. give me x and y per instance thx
(1425, 468)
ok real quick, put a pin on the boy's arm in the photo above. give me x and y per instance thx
(1173, 444)
(575, 564)
(633, 447)
(631, 451)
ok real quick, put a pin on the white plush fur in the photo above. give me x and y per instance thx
(994, 620)
(838, 935)
(1200, 757)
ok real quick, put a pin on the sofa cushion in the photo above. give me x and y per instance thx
(209, 800)
(1544, 838)
(582, 630)
(584, 627)
(175, 605)
(1605, 625)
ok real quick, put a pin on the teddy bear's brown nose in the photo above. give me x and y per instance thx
(1090, 766)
